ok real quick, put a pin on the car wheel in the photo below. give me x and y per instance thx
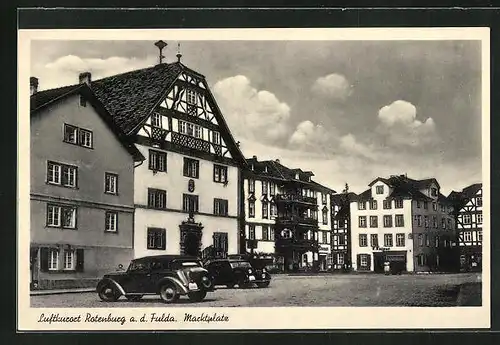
(263, 285)
(108, 293)
(242, 284)
(197, 296)
(134, 298)
(168, 293)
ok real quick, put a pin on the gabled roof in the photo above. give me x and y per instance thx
(42, 99)
(343, 200)
(403, 187)
(461, 198)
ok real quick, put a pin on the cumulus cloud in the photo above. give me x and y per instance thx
(333, 86)
(307, 134)
(251, 113)
(350, 145)
(398, 122)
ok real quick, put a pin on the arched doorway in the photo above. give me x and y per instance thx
(191, 233)
(192, 243)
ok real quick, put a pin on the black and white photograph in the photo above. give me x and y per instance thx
(191, 178)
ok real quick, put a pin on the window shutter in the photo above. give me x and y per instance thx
(186, 167)
(358, 261)
(226, 210)
(79, 260)
(44, 259)
(368, 262)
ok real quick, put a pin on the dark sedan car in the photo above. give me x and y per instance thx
(169, 276)
(237, 272)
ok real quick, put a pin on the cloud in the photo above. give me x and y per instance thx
(65, 69)
(251, 113)
(308, 135)
(398, 122)
(333, 86)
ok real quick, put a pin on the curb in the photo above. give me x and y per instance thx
(58, 292)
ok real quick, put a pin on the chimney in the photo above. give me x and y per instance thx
(85, 77)
(33, 85)
(277, 160)
(254, 157)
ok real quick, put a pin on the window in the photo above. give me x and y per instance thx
(324, 237)
(110, 183)
(251, 209)
(387, 221)
(373, 204)
(274, 210)
(363, 260)
(374, 240)
(419, 220)
(434, 222)
(443, 208)
(421, 240)
(157, 198)
(427, 240)
(340, 258)
(443, 223)
(69, 260)
(380, 189)
(467, 218)
(53, 260)
(399, 220)
(417, 202)
(62, 174)
(387, 240)
(157, 238)
(421, 260)
(77, 136)
(251, 232)
(111, 222)
(190, 129)
(156, 120)
(398, 203)
(426, 221)
(314, 214)
(198, 132)
(182, 127)
(434, 206)
(426, 205)
(480, 236)
(387, 204)
(434, 192)
(265, 210)
(436, 241)
(479, 201)
(361, 205)
(479, 218)
(216, 138)
(342, 240)
(363, 240)
(61, 216)
(220, 207)
(191, 168)
(251, 185)
(190, 96)
(157, 160)
(373, 221)
(448, 223)
(467, 236)
(325, 216)
(264, 187)
(220, 173)
(189, 203)
(265, 233)
(362, 221)
(323, 198)
(400, 240)
(272, 188)
(220, 241)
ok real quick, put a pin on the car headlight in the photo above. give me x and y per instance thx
(263, 270)
(249, 271)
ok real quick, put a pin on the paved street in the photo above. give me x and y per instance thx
(326, 290)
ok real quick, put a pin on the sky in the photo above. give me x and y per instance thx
(349, 111)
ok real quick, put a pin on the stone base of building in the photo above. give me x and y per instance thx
(63, 284)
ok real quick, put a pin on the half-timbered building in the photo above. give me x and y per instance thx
(341, 231)
(468, 213)
(287, 215)
(81, 188)
(187, 194)
(405, 222)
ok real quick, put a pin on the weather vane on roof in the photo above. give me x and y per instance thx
(179, 55)
(161, 44)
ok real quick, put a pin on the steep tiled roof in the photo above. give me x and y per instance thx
(130, 97)
(461, 198)
(43, 98)
(403, 187)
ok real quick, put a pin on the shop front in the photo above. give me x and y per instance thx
(395, 259)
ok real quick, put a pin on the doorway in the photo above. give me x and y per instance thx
(191, 244)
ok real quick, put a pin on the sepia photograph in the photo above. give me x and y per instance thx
(191, 175)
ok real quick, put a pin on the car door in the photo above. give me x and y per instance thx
(154, 274)
(136, 278)
(227, 273)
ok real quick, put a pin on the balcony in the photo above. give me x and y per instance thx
(296, 220)
(289, 198)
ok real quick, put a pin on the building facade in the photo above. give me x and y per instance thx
(405, 222)
(341, 231)
(82, 198)
(469, 221)
(286, 215)
(187, 193)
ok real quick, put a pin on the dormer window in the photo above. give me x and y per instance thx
(380, 189)
(434, 192)
(297, 176)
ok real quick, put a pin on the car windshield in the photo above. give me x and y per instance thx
(241, 264)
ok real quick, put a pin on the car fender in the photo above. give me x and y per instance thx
(176, 281)
(113, 282)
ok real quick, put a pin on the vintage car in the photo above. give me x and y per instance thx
(231, 272)
(169, 276)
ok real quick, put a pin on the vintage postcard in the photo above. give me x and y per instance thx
(253, 179)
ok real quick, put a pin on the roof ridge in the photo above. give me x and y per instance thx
(132, 71)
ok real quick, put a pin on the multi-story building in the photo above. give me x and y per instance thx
(469, 221)
(81, 191)
(187, 192)
(341, 231)
(405, 222)
(287, 214)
